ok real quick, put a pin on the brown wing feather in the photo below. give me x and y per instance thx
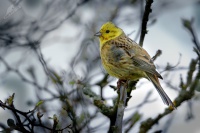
(140, 57)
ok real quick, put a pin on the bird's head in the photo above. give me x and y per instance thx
(108, 32)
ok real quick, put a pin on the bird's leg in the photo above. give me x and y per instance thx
(122, 82)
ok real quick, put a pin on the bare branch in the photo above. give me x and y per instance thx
(145, 20)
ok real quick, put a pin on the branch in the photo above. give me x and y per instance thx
(145, 20)
(184, 95)
(188, 25)
(29, 117)
(120, 110)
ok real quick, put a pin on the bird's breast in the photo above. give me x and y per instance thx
(118, 64)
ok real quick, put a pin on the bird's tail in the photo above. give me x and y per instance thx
(160, 90)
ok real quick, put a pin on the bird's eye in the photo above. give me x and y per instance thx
(107, 31)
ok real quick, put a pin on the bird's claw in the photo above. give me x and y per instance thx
(121, 82)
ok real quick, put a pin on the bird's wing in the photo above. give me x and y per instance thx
(139, 56)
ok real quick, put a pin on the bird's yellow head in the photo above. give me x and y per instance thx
(108, 32)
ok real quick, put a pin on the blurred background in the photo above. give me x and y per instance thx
(48, 52)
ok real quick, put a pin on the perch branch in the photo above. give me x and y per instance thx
(120, 109)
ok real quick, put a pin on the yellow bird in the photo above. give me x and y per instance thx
(125, 59)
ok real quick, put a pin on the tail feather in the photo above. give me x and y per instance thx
(160, 90)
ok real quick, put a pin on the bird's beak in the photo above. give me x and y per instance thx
(98, 34)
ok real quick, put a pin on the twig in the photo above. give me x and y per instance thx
(170, 67)
(31, 122)
(145, 20)
(158, 53)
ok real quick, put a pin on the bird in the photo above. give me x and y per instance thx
(124, 59)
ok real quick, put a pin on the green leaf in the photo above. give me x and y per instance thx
(10, 99)
(39, 103)
(136, 117)
(72, 82)
(186, 23)
(56, 78)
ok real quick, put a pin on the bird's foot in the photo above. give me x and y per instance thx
(122, 82)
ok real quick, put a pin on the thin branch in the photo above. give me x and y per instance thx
(23, 78)
(145, 20)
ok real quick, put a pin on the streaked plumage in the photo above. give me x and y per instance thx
(126, 60)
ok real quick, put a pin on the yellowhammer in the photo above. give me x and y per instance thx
(125, 59)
